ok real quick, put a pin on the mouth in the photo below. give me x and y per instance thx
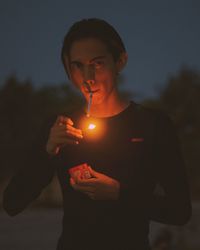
(92, 91)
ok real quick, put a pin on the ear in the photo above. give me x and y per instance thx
(121, 62)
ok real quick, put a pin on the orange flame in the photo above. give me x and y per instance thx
(91, 126)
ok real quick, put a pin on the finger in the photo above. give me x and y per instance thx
(74, 134)
(61, 125)
(64, 120)
(87, 192)
(59, 120)
(62, 132)
(93, 172)
(67, 120)
(67, 129)
(83, 182)
(64, 141)
(77, 177)
(72, 182)
(74, 130)
(87, 182)
(81, 188)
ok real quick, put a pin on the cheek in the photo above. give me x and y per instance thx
(105, 74)
(76, 79)
(107, 79)
(78, 83)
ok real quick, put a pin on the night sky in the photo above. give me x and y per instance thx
(160, 37)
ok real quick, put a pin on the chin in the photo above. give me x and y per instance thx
(97, 100)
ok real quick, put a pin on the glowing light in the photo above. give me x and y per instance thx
(91, 126)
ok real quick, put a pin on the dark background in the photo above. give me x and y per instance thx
(160, 36)
(162, 40)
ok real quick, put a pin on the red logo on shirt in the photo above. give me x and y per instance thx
(137, 139)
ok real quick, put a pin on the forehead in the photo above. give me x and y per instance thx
(88, 48)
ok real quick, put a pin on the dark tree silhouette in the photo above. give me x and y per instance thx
(181, 100)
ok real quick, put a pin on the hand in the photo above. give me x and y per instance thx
(62, 133)
(99, 187)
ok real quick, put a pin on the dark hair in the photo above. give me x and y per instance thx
(93, 28)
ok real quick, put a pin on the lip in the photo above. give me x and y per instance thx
(93, 91)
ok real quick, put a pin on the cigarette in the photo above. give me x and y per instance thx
(90, 98)
(89, 105)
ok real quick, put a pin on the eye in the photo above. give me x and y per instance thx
(76, 65)
(98, 64)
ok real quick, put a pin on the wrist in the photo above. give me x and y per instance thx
(52, 150)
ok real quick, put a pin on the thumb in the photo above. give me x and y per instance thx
(72, 182)
(93, 172)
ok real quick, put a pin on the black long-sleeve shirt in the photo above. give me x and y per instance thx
(139, 148)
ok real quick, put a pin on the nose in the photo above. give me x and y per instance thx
(89, 74)
(90, 82)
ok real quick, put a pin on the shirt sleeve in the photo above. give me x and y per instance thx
(35, 172)
(173, 205)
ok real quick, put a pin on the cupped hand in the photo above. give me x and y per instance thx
(61, 133)
(99, 187)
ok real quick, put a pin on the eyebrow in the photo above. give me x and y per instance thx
(93, 59)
